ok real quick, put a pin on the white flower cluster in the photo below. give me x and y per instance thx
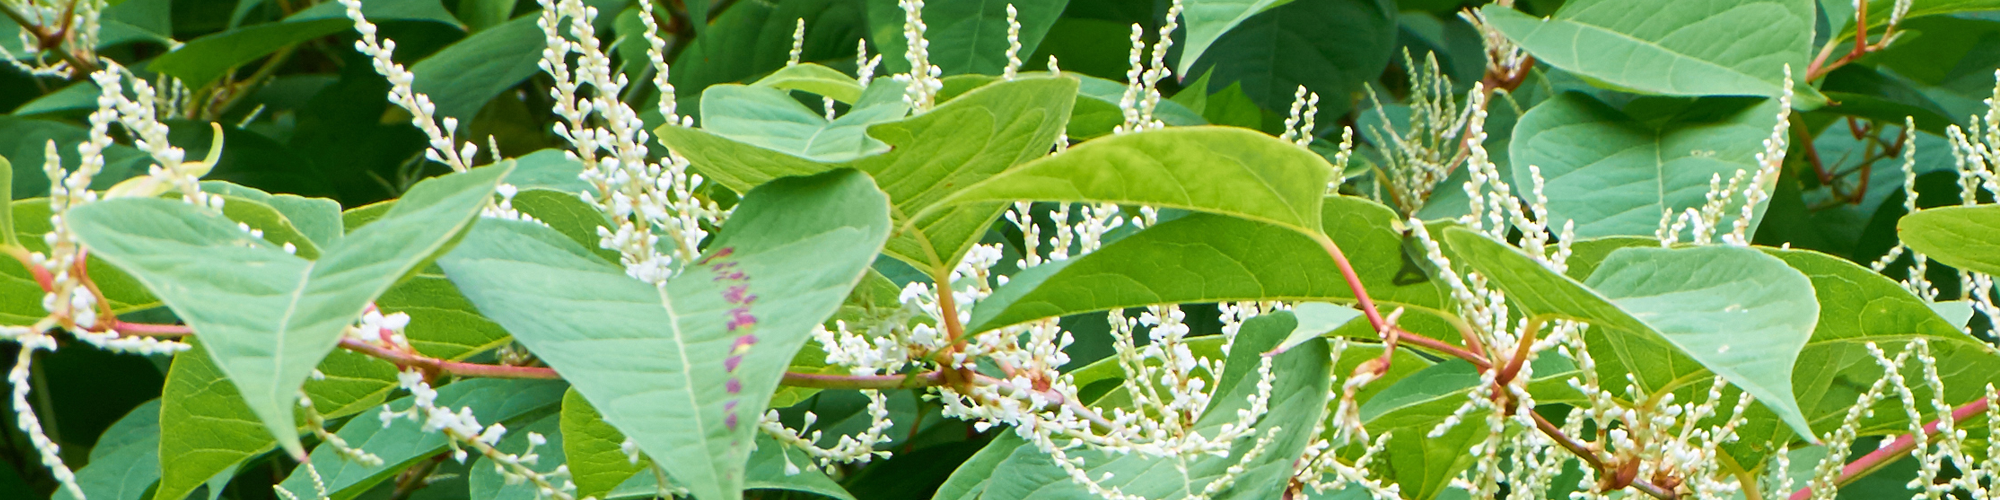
(1415, 160)
(1142, 93)
(921, 83)
(464, 431)
(649, 200)
(1707, 221)
(1299, 125)
(444, 146)
(1013, 44)
(381, 329)
(849, 449)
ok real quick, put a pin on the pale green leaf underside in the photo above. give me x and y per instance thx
(1207, 20)
(1672, 47)
(1613, 172)
(659, 362)
(1961, 237)
(1741, 314)
(768, 117)
(812, 78)
(266, 316)
(1223, 170)
(1316, 319)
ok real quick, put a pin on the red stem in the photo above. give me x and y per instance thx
(1896, 449)
(150, 329)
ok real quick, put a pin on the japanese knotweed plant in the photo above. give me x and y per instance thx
(648, 323)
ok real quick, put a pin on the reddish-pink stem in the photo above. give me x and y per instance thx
(1896, 449)
(151, 329)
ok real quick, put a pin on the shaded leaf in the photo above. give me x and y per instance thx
(205, 59)
(403, 441)
(792, 249)
(266, 316)
(1332, 47)
(964, 37)
(126, 459)
(463, 76)
(1677, 48)
(1207, 20)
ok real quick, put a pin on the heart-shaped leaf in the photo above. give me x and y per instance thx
(267, 316)
(1614, 172)
(684, 369)
(1669, 47)
(1740, 313)
(770, 118)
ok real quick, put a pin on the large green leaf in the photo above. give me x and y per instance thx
(594, 449)
(1858, 306)
(21, 296)
(403, 442)
(816, 79)
(1222, 170)
(1213, 258)
(1963, 237)
(443, 324)
(931, 156)
(126, 459)
(205, 59)
(675, 366)
(749, 39)
(464, 75)
(770, 118)
(318, 219)
(1207, 20)
(963, 37)
(24, 142)
(207, 430)
(1302, 379)
(1669, 47)
(1739, 313)
(267, 316)
(1411, 407)
(1613, 172)
(487, 483)
(1332, 47)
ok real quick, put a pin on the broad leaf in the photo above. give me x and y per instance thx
(770, 118)
(487, 483)
(1213, 258)
(1961, 237)
(1301, 381)
(1614, 172)
(205, 59)
(1331, 47)
(816, 79)
(965, 140)
(594, 449)
(207, 430)
(1668, 47)
(126, 459)
(766, 470)
(676, 367)
(1315, 319)
(443, 324)
(21, 296)
(1207, 20)
(1222, 170)
(462, 77)
(1413, 405)
(318, 219)
(266, 316)
(404, 442)
(1739, 313)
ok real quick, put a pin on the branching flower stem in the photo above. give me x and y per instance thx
(1895, 449)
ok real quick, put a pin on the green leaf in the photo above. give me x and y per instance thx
(1858, 306)
(964, 37)
(207, 430)
(1222, 170)
(277, 229)
(318, 219)
(597, 460)
(7, 236)
(463, 76)
(764, 471)
(792, 249)
(203, 60)
(1097, 113)
(1207, 20)
(770, 118)
(965, 140)
(1315, 319)
(126, 459)
(814, 78)
(268, 316)
(1411, 407)
(1301, 379)
(1332, 47)
(21, 296)
(1614, 172)
(1689, 49)
(443, 323)
(550, 169)
(568, 214)
(1961, 237)
(969, 480)
(25, 141)
(1739, 313)
(750, 39)
(403, 442)
(1213, 258)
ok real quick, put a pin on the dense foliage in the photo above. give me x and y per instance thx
(1246, 249)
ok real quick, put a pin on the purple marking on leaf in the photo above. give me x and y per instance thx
(742, 344)
(724, 252)
(721, 266)
(729, 405)
(730, 420)
(730, 364)
(740, 318)
(739, 294)
(733, 386)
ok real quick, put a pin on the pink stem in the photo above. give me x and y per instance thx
(1896, 449)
